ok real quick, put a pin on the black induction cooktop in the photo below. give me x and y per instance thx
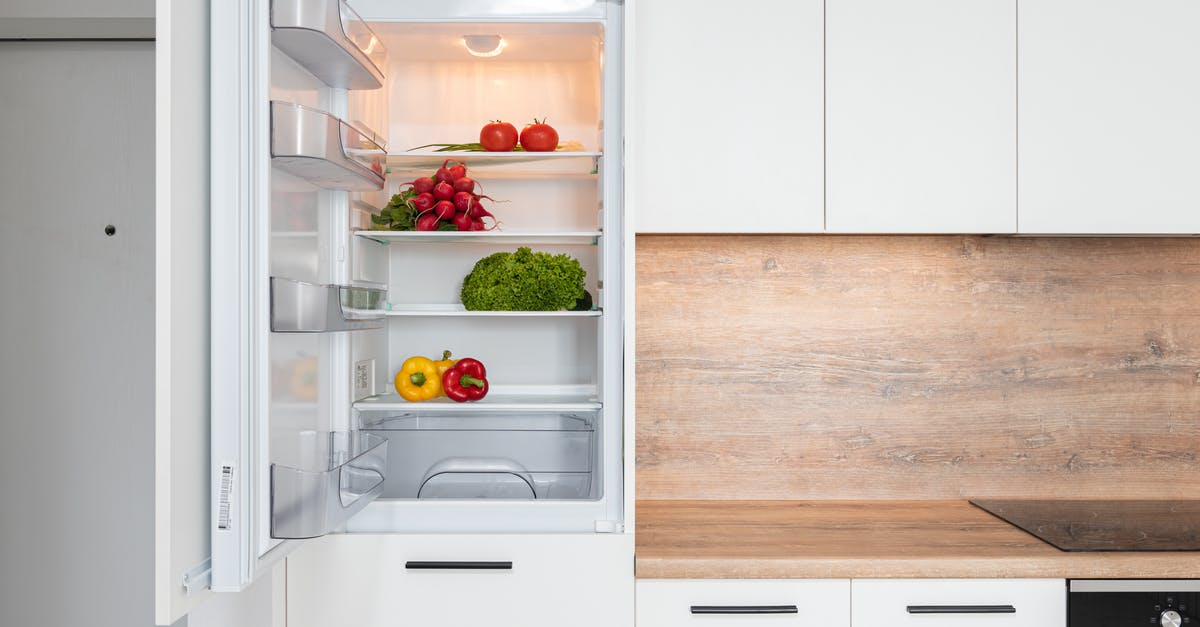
(1096, 525)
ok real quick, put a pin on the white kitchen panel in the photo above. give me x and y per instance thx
(1108, 118)
(80, 313)
(743, 602)
(921, 116)
(725, 131)
(583, 580)
(959, 602)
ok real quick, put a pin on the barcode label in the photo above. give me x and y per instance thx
(226, 494)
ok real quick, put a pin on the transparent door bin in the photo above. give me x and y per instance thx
(329, 40)
(488, 455)
(323, 150)
(319, 479)
(299, 307)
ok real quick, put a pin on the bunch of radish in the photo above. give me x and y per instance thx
(446, 201)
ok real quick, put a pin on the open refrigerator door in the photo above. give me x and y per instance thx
(322, 286)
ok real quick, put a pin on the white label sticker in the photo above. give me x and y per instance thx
(226, 494)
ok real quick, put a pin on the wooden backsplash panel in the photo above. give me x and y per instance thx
(861, 367)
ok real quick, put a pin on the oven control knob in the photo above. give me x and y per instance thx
(1170, 618)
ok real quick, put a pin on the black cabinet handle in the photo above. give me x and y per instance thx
(961, 609)
(458, 565)
(745, 609)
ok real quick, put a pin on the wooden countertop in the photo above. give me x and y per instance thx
(839, 539)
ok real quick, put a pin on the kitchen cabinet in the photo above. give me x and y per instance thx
(920, 116)
(1108, 122)
(725, 117)
(965, 602)
(684, 602)
(370, 580)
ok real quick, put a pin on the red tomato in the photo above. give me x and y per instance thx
(539, 137)
(498, 136)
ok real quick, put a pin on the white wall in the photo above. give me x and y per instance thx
(76, 334)
(66, 19)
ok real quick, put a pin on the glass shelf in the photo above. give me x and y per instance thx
(483, 237)
(499, 399)
(323, 150)
(497, 164)
(329, 40)
(439, 309)
(319, 479)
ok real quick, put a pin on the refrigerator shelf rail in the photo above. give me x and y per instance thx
(299, 307)
(501, 399)
(330, 40)
(323, 150)
(437, 310)
(483, 237)
(500, 164)
(324, 478)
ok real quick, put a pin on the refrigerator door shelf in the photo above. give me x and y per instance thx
(326, 478)
(323, 150)
(557, 164)
(330, 40)
(299, 307)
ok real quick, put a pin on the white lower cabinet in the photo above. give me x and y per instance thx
(735, 602)
(959, 602)
(398, 580)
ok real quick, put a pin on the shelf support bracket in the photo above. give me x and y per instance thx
(198, 578)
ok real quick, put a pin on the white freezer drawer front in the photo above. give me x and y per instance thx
(959, 602)
(368, 580)
(738, 602)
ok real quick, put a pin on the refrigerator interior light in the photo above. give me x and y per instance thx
(484, 45)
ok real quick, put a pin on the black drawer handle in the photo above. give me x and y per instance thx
(961, 609)
(458, 565)
(745, 609)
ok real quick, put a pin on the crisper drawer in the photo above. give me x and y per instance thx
(960, 602)
(736, 602)
(388, 580)
(488, 455)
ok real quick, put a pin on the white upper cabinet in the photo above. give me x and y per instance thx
(1109, 123)
(921, 116)
(725, 116)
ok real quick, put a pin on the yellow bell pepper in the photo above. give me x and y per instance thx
(444, 364)
(418, 379)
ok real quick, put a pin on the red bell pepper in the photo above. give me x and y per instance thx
(466, 381)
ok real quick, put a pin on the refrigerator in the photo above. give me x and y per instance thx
(321, 111)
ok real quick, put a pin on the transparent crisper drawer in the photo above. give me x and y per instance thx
(488, 455)
(323, 150)
(330, 40)
(319, 479)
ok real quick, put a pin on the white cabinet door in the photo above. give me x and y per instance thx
(732, 602)
(725, 116)
(1108, 118)
(959, 602)
(921, 116)
(386, 581)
